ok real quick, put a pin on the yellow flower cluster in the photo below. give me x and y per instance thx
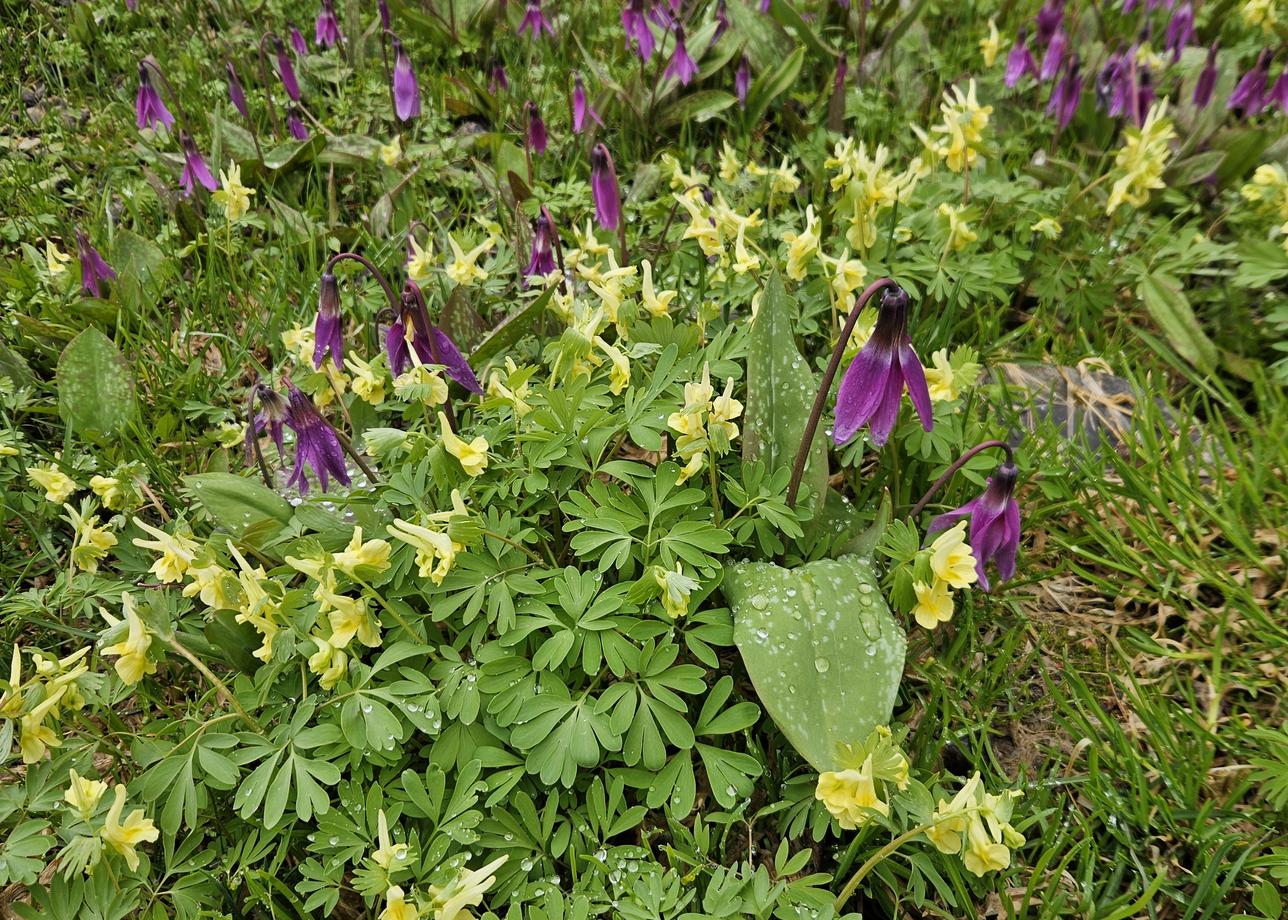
(1263, 13)
(715, 225)
(260, 603)
(1269, 190)
(868, 187)
(959, 234)
(676, 588)
(133, 652)
(512, 387)
(369, 377)
(952, 566)
(464, 268)
(435, 549)
(976, 825)
(84, 794)
(946, 381)
(853, 793)
(1142, 159)
(53, 688)
(58, 485)
(233, 197)
(958, 138)
(90, 542)
(705, 423)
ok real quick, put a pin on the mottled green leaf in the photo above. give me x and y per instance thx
(1169, 307)
(241, 505)
(95, 386)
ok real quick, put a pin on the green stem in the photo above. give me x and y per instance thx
(218, 684)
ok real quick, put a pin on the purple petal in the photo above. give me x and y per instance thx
(861, 389)
(447, 354)
(915, 377)
(888, 410)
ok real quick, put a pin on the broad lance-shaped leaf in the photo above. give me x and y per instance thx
(95, 386)
(822, 649)
(780, 393)
(244, 507)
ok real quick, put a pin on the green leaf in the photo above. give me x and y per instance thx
(821, 647)
(697, 107)
(510, 331)
(780, 393)
(769, 86)
(95, 386)
(294, 152)
(1169, 307)
(241, 505)
(790, 19)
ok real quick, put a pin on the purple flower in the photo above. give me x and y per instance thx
(542, 261)
(1249, 95)
(1279, 92)
(295, 124)
(149, 109)
(1206, 81)
(636, 26)
(272, 415)
(446, 353)
(383, 7)
(681, 66)
(1109, 84)
(326, 28)
(297, 39)
(285, 70)
(406, 89)
(722, 20)
(432, 345)
(1180, 29)
(742, 80)
(603, 187)
(1144, 95)
(194, 167)
(873, 385)
(316, 444)
(842, 71)
(537, 139)
(93, 269)
(326, 328)
(764, 6)
(1065, 94)
(1050, 20)
(235, 91)
(534, 20)
(581, 109)
(1020, 63)
(994, 532)
(1054, 57)
(498, 81)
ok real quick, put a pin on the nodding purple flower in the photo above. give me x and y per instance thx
(1020, 63)
(272, 415)
(722, 21)
(446, 353)
(1279, 92)
(994, 532)
(1144, 95)
(1050, 20)
(432, 345)
(406, 89)
(537, 139)
(498, 80)
(742, 80)
(681, 66)
(1249, 96)
(235, 91)
(326, 328)
(603, 187)
(94, 270)
(661, 14)
(534, 21)
(842, 71)
(581, 108)
(1109, 84)
(149, 109)
(872, 388)
(1066, 94)
(131, 5)
(542, 261)
(1180, 29)
(1054, 57)
(316, 444)
(1206, 81)
(295, 124)
(383, 7)
(195, 169)
(286, 70)
(764, 6)
(326, 28)
(635, 24)
(297, 39)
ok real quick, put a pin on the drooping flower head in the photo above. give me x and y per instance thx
(1206, 81)
(296, 37)
(94, 270)
(1180, 29)
(406, 89)
(382, 6)
(681, 66)
(286, 70)
(534, 21)
(149, 109)
(1110, 94)
(582, 111)
(235, 91)
(603, 187)
(271, 415)
(636, 27)
(542, 261)
(1054, 57)
(1020, 63)
(1249, 96)
(994, 524)
(412, 331)
(722, 20)
(1279, 92)
(326, 28)
(537, 138)
(1050, 20)
(873, 385)
(295, 124)
(498, 80)
(1066, 93)
(316, 444)
(326, 328)
(195, 169)
(742, 80)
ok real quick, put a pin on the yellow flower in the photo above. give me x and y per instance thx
(431, 546)
(1048, 227)
(472, 455)
(91, 542)
(730, 165)
(34, 736)
(620, 376)
(934, 603)
(721, 430)
(851, 796)
(1142, 159)
(693, 467)
(744, 260)
(983, 854)
(952, 559)
(366, 383)
(84, 794)
(234, 196)
(11, 700)
(421, 383)
(133, 662)
(420, 262)
(960, 235)
(801, 247)
(676, 588)
(256, 606)
(962, 131)
(211, 582)
(177, 552)
(464, 891)
(941, 380)
(991, 45)
(329, 663)
(391, 153)
(349, 618)
(679, 178)
(58, 485)
(657, 304)
(1263, 13)
(498, 387)
(55, 259)
(848, 275)
(388, 852)
(109, 491)
(372, 555)
(784, 180)
(397, 907)
(125, 837)
(463, 269)
(951, 821)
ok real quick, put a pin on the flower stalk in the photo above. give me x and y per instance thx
(957, 465)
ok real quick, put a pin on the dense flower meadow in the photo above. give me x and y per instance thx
(537, 459)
